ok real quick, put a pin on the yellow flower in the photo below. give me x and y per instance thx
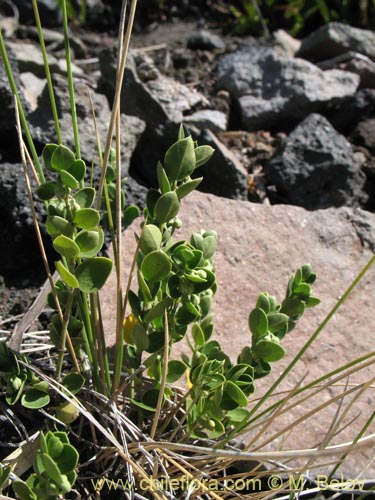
(129, 324)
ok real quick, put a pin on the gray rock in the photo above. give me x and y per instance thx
(271, 89)
(355, 63)
(335, 38)
(286, 42)
(316, 167)
(346, 115)
(157, 100)
(214, 120)
(259, 246)
(43, 130)
(19, 250)
(223, 175)
(204, 40)
(30, 59)
(364, 134)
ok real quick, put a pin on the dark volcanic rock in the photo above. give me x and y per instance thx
(271, 89)
(204, 40)
(223, 175)
(334, 39)
(346, 116)
(316, 168)
(147, 93)
(20, 258)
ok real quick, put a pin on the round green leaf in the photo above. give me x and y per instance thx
(187, 187)
(93, 273)
(258, 322)
(150, 239)
(140, 337)
(55, 446)
(86, 218)
(68, 180)
(34, 399)
(51, 468)
(56, 225)
(68, 459)
(176, 369)
(73, 382)
(85, 197)
(203, 154)
(62, 158)
(130, 213)
(78, 170)
(89, 242)
(48, 151)
(23, 491)
(66, 247)
(180, 160)
(156, 266)
(47, 190)
(163, 181)
(167, 207)
(235, 393)
(268, 351)
(66, 275)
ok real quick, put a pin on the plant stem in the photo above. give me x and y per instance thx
(73, 110)
(47, 71)
(64, 333)
(23, 121)
(163, 378)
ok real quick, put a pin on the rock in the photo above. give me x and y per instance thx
(259, 246)
(316, 168)
(9, 140)
(32, 88)
(9, 16)
(355, 63)
(204, 40)
(43, 130)
(223, 175)
(364, 134)
(271, 90)
(333, 39)
(346, 116)
(286, 42)
(30, 59)
(49, 12)
(20, 258)
(158, 100)
(214, 120)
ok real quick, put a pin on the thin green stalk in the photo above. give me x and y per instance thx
(64, 333)
(103, 355)
(90, 347)
(163, 378)
(302, 351)
(73, 110)
(47, 71)
(23, 121)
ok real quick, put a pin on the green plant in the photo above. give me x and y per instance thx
(54, 466)
(261, 16)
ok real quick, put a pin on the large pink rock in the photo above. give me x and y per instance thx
(259, 247)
